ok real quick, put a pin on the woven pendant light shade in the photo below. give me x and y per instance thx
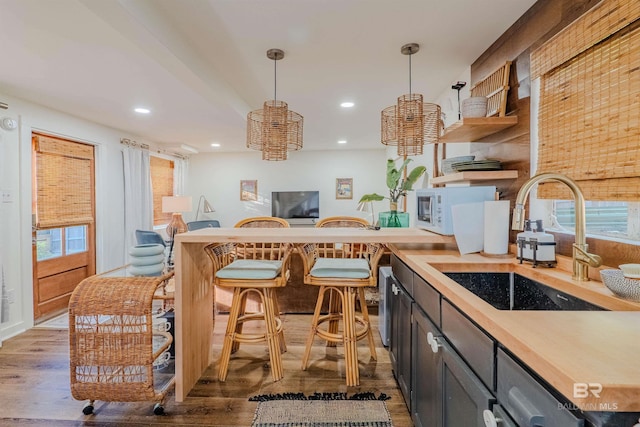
(411, 123)
(275, 130)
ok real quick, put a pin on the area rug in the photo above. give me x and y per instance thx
(321, 410)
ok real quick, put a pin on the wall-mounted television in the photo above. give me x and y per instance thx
(295, 204)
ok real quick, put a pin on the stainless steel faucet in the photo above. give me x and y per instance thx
(582, 259)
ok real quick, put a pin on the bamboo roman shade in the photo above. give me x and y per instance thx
(589, 114)
(64, 182)
(162, 184)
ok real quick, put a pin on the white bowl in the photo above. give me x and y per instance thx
(476, 106)
(632, 271)
(620, 285)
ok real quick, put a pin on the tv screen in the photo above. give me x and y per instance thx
(295, 204)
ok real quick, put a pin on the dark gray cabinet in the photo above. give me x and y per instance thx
(464, 396)
(401, 325)
(452, 373)
(426, 405)
(446, 392)
(400, 340)
(526, 400)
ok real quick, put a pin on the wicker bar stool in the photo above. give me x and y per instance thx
(340, 250)
(342, 275)
(256, 269)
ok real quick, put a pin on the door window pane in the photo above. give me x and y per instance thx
(76, 239)
(49, 243)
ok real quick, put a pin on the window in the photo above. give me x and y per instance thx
(162, 184)
(50, 242)
(618, 220)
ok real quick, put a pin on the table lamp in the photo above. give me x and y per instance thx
(206, 208)
(368, 207)
(175, 205)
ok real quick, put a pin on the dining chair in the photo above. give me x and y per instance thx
(342, 273)
(205, 223)
(144, 237)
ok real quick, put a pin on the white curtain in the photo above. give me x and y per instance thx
(138, 194)
(180, 171)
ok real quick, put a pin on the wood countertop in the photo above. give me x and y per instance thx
(562, 347)
(312, 234)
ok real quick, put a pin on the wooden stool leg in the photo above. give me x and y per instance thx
(272, 334)
(350, 342)
(334, 309)
(241, 312)
(229, 336)
(283, 344)
(365, 316)
(314, 328)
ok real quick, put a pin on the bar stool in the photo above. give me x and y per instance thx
(340, 250)
(251, 276)
(343, 278)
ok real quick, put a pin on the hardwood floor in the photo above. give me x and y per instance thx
(34, 382)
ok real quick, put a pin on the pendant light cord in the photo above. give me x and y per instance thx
(275, 79)
(410, 75)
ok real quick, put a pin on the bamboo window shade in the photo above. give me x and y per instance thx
(589, 114)
(64, 182)
(162, 184)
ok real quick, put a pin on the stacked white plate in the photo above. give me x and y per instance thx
(477, 165)
(447, 163)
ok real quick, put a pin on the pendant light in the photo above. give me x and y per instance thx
(274, 129)
(411, 123)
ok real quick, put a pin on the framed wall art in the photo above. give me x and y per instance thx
(344, 188)
(248, 190)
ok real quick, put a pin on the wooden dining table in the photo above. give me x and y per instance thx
(194, 293)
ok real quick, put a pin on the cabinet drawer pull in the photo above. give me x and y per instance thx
(524, 410)
(433, 342)
(394, 289)
(490, 419)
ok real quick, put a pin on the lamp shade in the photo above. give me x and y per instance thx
(171, 204)
(411, 122)
(274, 129)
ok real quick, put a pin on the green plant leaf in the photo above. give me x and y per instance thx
(373, 197)
(413, 177)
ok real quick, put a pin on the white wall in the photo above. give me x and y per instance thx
(217, 176)
(15, 216)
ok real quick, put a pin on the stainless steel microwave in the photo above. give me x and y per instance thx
(434, 205)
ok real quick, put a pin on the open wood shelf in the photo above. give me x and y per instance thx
(471, 129)
(475, 176)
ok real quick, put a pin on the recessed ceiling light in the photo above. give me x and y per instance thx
(347, 104)
(215, 144)
(142, 110)
(342, 141)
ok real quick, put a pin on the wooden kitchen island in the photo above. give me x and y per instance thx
(194, 293)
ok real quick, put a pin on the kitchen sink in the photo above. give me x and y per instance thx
(511, 291)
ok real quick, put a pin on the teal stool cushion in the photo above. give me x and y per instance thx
(348, 268)
(250, 269)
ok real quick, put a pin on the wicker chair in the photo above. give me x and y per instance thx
(342, 275)
(258, 269)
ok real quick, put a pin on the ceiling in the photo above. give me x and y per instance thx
(200, 65)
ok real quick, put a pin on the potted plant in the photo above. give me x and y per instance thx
(398, 186)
